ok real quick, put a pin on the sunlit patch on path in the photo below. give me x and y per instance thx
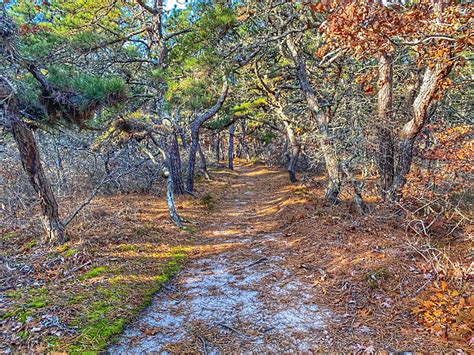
(241, 298)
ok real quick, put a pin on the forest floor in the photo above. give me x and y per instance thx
(278, 269)
(269, 266)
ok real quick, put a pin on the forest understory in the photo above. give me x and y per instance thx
(268, 266)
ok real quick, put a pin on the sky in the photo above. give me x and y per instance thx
(171, 3)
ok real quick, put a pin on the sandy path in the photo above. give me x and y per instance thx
(235, 294)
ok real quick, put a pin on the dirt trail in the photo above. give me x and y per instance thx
(235, 294)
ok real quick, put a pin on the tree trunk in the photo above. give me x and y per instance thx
(175, 166)
(30, 159)
(182, 135)
(243, 150)
(166, 173)
(203, 165)
(294, 151)
(321, 118)
(428, 91)
(218, 148)
(358, 199)
(230, 153)
(195, 134)
(385, 158)
(170, 198)
(192, 156)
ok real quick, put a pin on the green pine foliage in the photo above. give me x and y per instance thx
(92, 87)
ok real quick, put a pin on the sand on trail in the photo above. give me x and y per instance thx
(234, 294)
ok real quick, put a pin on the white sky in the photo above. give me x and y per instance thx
(171, 3)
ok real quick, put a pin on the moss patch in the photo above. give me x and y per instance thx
(7, 236)
(103, 319)
(93, 273)
(70, 252)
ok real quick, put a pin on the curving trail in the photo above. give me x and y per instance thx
(234, 294)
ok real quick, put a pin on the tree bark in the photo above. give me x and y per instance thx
(31, 162)
(166, 173)
(243, 149)
(32, 165)
(321, 117)
(218, 148)
(294, 151)
(175, 166)
(428, 90)
(203, 164)
(230, 152)
(385, 155)
(357, 186)
(182, 134)
(195, 134)
(169, 196)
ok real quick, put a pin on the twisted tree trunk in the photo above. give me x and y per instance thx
(321, 117)
(195, 134)
(166, 173)
(428, 90)
(385, 158)
(32, 165)
(31, 162)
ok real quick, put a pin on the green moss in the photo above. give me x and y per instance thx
(23, 334)
(7, 315)
(32, 244)
(52, 340)
(15, 294)
(22, 315)
(38, 302)
(115, 280)
(62, 248)
(8, 235)
(99, 309)
(98, 323)
(98, 334)
(76, 299)
(70, 252)
(113, 295)
(172, 267)
(93, 273)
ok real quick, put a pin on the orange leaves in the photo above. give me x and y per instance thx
(370, 27)
(368, 89)
(445, 313)
(318, 7)
(365, 81)
(453, 146)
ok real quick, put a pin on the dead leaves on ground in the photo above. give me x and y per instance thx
(446, 312)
